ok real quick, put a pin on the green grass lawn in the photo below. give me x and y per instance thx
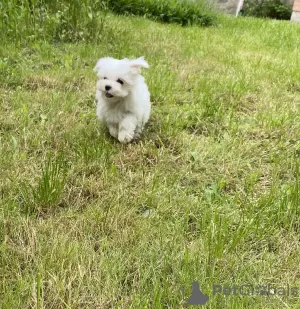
(210, 193)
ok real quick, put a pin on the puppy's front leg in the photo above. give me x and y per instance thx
(113, 130)
(126, 128)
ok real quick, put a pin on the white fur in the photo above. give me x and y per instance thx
(128, 110)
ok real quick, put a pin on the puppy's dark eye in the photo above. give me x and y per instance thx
(104, 77)
(120, 81)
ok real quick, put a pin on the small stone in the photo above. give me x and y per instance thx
(147, 213)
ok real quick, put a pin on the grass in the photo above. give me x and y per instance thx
(83, 20)
(210, 193)
(56, 20)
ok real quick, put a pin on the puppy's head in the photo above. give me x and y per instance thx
(117, 77)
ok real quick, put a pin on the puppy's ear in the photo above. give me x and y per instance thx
(137, 64)
(100, 64)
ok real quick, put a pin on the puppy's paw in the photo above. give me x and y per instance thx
(113, 131)
(137, 132)
(136, 135)
(125, 137)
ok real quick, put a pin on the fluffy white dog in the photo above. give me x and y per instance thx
(123, 99)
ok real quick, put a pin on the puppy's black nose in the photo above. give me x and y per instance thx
(107, 87)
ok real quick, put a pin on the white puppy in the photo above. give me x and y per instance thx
(123, 99)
